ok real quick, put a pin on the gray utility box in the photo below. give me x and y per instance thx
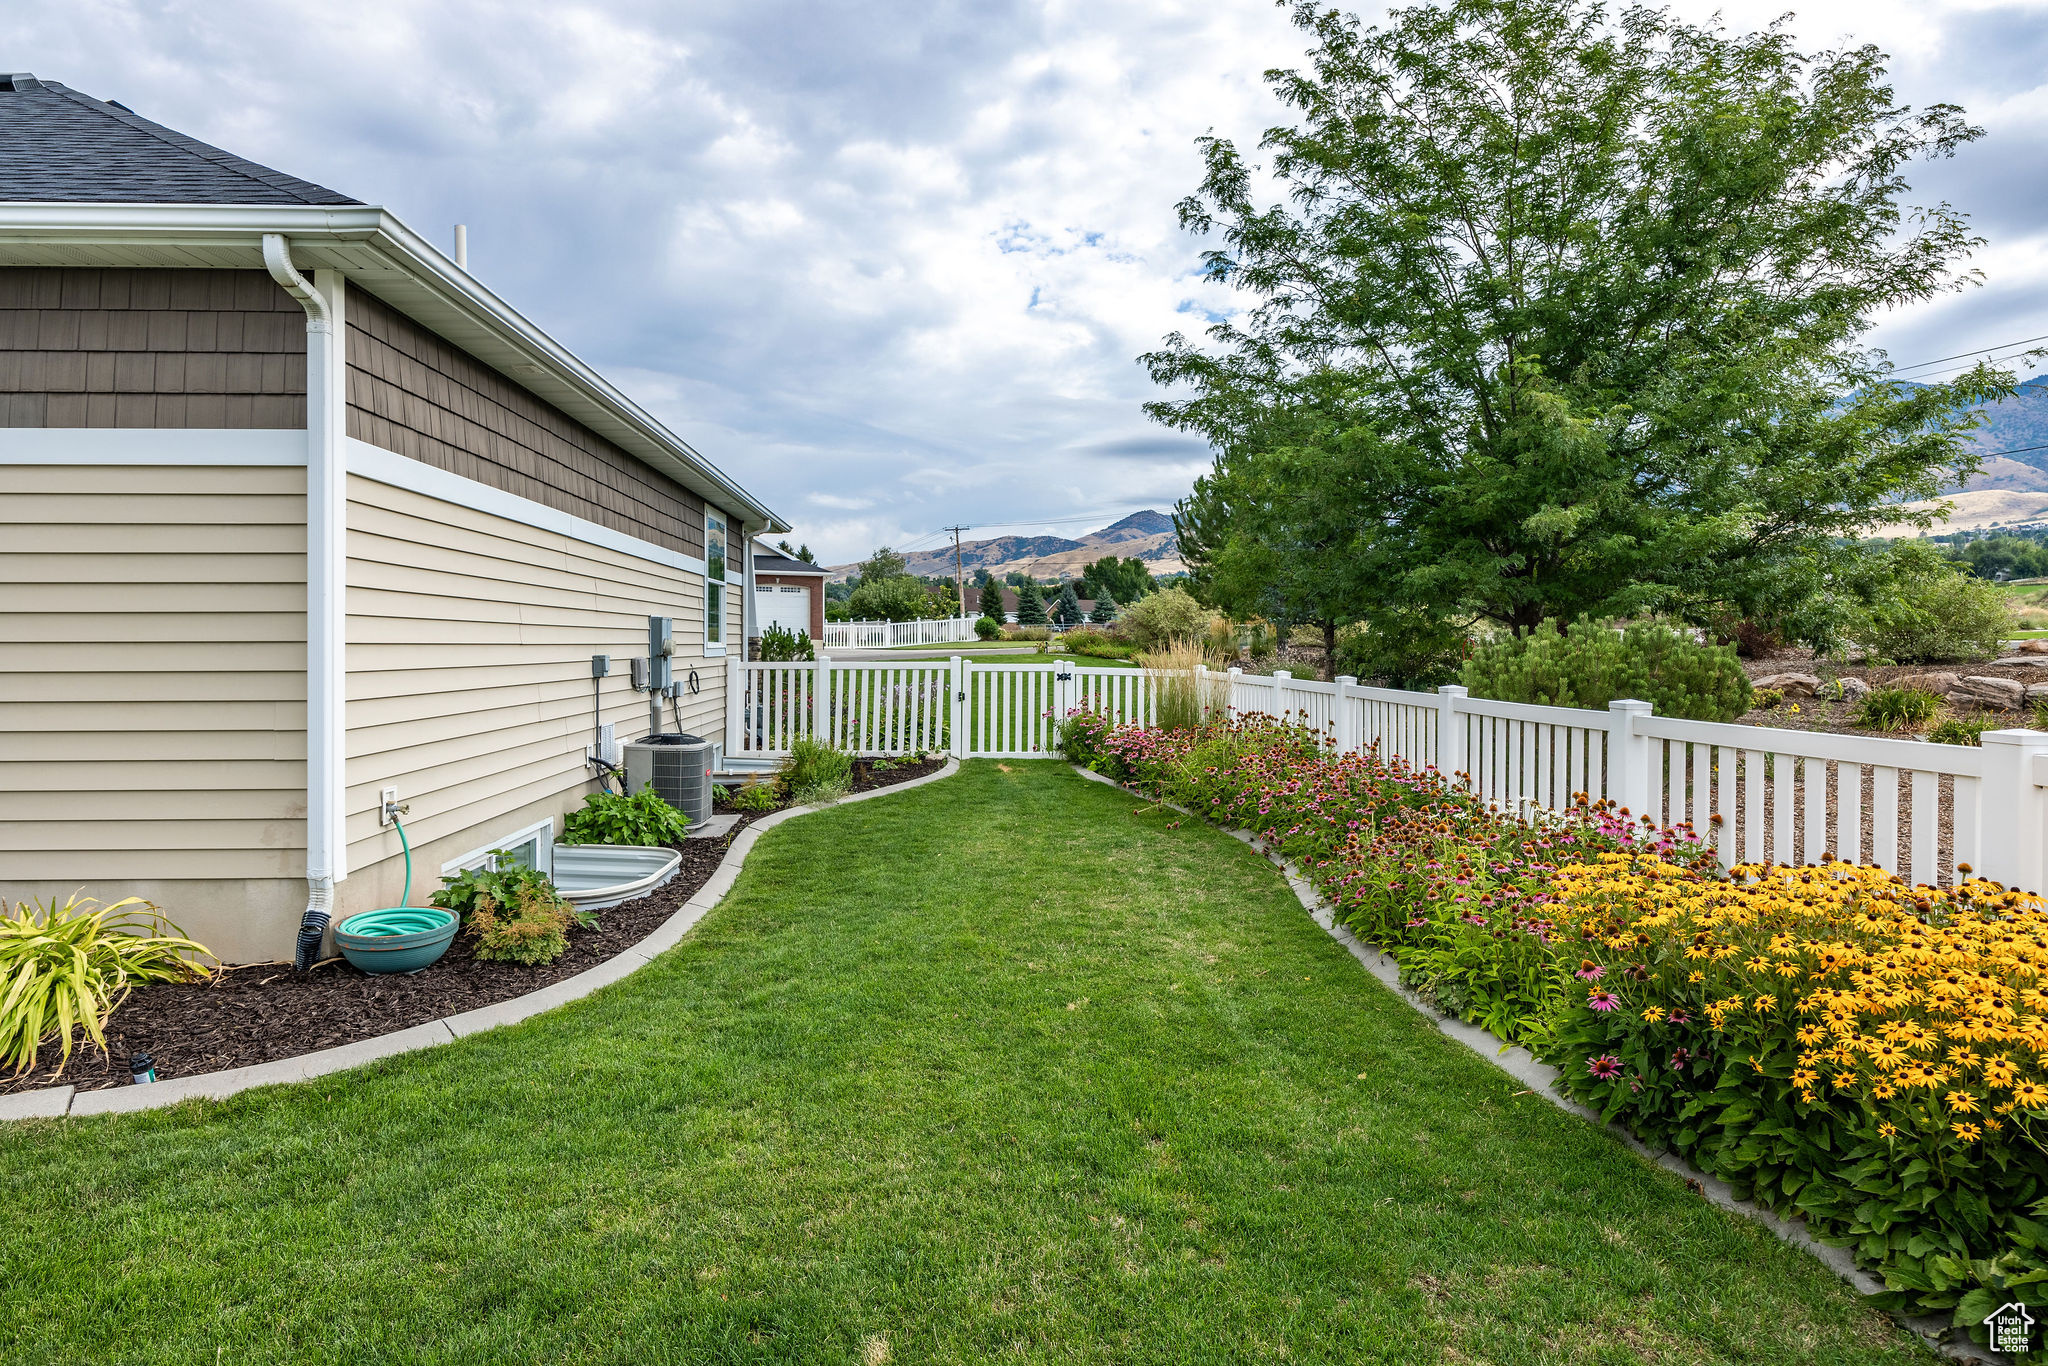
(677, 767)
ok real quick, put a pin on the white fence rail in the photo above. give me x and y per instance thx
(882, 635)
(1752, 792)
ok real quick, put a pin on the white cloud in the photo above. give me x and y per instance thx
(889, 264)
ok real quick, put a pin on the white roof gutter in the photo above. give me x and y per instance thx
(380, 253)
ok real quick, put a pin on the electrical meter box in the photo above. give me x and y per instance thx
(661, 645)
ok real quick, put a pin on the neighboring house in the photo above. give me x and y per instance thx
(294, 512)
(788, 592)
(1009, 604)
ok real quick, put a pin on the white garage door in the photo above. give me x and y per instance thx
(783, 605)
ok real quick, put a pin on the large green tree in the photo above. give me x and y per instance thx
(1030, 604)
(1561, 315)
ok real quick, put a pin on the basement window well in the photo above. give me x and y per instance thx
(533, 847)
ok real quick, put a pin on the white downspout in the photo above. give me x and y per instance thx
(326, 618)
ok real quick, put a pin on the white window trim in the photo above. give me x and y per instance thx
(543, 833)
(715, 648)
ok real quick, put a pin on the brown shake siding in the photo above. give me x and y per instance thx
(411, 392)
(94, 347)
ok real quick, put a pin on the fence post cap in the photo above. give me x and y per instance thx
(1235, 671)
(1452, 690)
(1346, 681)
(1630, 704)
(1283, 673)
(2019, 735)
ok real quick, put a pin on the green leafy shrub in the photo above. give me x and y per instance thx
(609, 818)
(987, 628)
(1026, 633)
(1896, 709)
(530, 927)
(1417, 649)
(1590, 666)
(814, 772)
(780, 644)
(1961, 730)
(1164, 617)
(1766, 699)
(461, 892)
(1100, 644)
(754, 797)
(1926, 611)
(65, 968)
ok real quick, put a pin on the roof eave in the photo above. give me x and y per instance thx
(369, 244)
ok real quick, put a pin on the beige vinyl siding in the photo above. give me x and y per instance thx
(152, 692)
(469, 690)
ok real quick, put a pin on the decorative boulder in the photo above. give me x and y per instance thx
(2006, 694)
(2031, 647)
(1853, 689)
(2022, 661)
(2037, 693)
(1941, 684)
(1790, 684)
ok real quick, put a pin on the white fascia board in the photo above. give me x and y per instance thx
(387, 467)
(177, 230)
(151, 446)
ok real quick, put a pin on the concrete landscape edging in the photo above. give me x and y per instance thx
(1541, 1079)
(57, 1102)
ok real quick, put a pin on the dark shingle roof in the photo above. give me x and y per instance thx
(57, 145)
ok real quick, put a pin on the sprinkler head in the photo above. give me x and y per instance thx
(141, 1069)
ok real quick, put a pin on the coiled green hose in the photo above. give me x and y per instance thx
(396, 920)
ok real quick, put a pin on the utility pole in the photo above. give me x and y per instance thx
(959, 576)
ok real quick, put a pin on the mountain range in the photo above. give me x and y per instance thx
(1147, 535)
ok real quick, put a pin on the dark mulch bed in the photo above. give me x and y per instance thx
(265, 1012)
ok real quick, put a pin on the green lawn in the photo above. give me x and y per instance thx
(1086, 1088)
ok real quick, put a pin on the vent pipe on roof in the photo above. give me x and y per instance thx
(462, 246)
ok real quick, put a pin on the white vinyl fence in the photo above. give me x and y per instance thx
(1752, 792)
(881, 635)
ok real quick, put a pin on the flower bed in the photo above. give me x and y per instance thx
(1836, 1044)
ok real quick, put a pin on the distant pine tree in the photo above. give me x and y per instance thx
(1030, 604)
(1105, 608)
(1067, 611)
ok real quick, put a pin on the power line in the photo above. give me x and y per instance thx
(1964, 355)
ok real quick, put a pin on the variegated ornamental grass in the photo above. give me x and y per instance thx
(64, 968)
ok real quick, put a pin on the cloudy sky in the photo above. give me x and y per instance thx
(889, 263)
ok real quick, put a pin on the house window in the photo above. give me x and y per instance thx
(714, 580)
(533, 847)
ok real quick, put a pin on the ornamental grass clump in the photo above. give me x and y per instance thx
(65, 968)
(1841, 1046)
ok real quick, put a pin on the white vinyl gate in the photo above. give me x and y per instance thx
(1752, 792)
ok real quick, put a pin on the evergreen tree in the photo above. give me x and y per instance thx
(1067, 611)
(1030, 604)
(1105, 608)
(990, 599)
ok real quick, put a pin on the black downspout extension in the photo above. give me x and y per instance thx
(313, 929)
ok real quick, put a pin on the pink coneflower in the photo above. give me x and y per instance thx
(1606, 1067)
(1589, 971)
(1680, 1017)
(1603, 1001)
(1680, 1057)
